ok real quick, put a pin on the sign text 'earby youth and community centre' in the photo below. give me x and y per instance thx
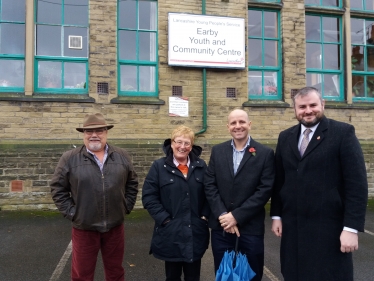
(206, 41)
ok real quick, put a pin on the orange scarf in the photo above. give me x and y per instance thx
(183, 169)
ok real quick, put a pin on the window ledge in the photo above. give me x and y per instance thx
(265, 103)
(325, 10)
(360, 13)
(138, 100)
(260, 4)
(46, 97)
(343, 105)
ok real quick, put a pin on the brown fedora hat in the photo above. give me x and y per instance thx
(94, 121)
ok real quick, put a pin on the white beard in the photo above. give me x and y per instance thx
(94, 146)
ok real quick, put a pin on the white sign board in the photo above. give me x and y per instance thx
(178, 106)
(206, 41)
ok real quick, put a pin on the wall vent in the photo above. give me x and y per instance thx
(16, 186)
(293, 93)
(102, 88)
(177, 91)
(75, 42)
(231, 93)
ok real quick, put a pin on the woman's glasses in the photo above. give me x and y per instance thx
(185, 143)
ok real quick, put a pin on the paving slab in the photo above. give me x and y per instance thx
(34, 243)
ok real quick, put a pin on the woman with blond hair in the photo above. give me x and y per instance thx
(173, 194)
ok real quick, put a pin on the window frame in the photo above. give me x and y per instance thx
(61, 58)
(363, 73)
(322, 70)
(278, 69)
(20, 57)
(264, 1)
(137, 62)
(363, 7)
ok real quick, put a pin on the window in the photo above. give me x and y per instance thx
(137, 48)
(362, 59)
(12, 45)
(61, 59)
(324, 55)
(264, 55)
(265, 1)
(366, 5)
(325, 3)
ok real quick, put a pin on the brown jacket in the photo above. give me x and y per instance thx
(91, 199)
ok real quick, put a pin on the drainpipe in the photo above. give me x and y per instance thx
(205, 126)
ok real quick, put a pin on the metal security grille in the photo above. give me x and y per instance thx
(102, 88)
(177, 91)
(293, 93)
(75, 42)
(230, 92)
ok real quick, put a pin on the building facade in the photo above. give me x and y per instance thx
(62, 59)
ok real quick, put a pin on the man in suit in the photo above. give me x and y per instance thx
(238, 184)
(320, 194)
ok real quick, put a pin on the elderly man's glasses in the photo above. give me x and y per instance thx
(185, 143)
(97, 131)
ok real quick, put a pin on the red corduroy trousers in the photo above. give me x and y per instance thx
(86, 246)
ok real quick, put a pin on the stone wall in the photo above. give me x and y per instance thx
(293, 44)
(26, 168)
(34, 132)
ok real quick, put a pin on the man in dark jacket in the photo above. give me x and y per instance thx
(238, 184)
(94, 186)
(319, 199)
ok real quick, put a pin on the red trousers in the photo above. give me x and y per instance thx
(86, 246)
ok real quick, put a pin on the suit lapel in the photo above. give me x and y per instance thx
(293, 140)
(318, 136)
(229, 158)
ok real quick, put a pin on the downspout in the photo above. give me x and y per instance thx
(204, 88)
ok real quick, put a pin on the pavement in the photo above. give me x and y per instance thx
(35, 245)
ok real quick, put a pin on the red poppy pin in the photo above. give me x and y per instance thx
(252, 150)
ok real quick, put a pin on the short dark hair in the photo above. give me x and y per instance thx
(305, 91)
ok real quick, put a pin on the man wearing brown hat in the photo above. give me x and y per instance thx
(94, 186)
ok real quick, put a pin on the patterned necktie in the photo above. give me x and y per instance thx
(305, 141)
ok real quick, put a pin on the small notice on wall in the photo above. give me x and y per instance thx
(178, 106)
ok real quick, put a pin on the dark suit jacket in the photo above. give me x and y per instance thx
(316, 196)
(245, 193)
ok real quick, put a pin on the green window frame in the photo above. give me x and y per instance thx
(137, 48)
(264, 54)
(324, 55)
(362, 59)
(12, 45)
(61, 51)
(362, 5)
(264, 1)
(325, 3)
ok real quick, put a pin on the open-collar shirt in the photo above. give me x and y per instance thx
(238, 154)
(101, 165)
(176, 163)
